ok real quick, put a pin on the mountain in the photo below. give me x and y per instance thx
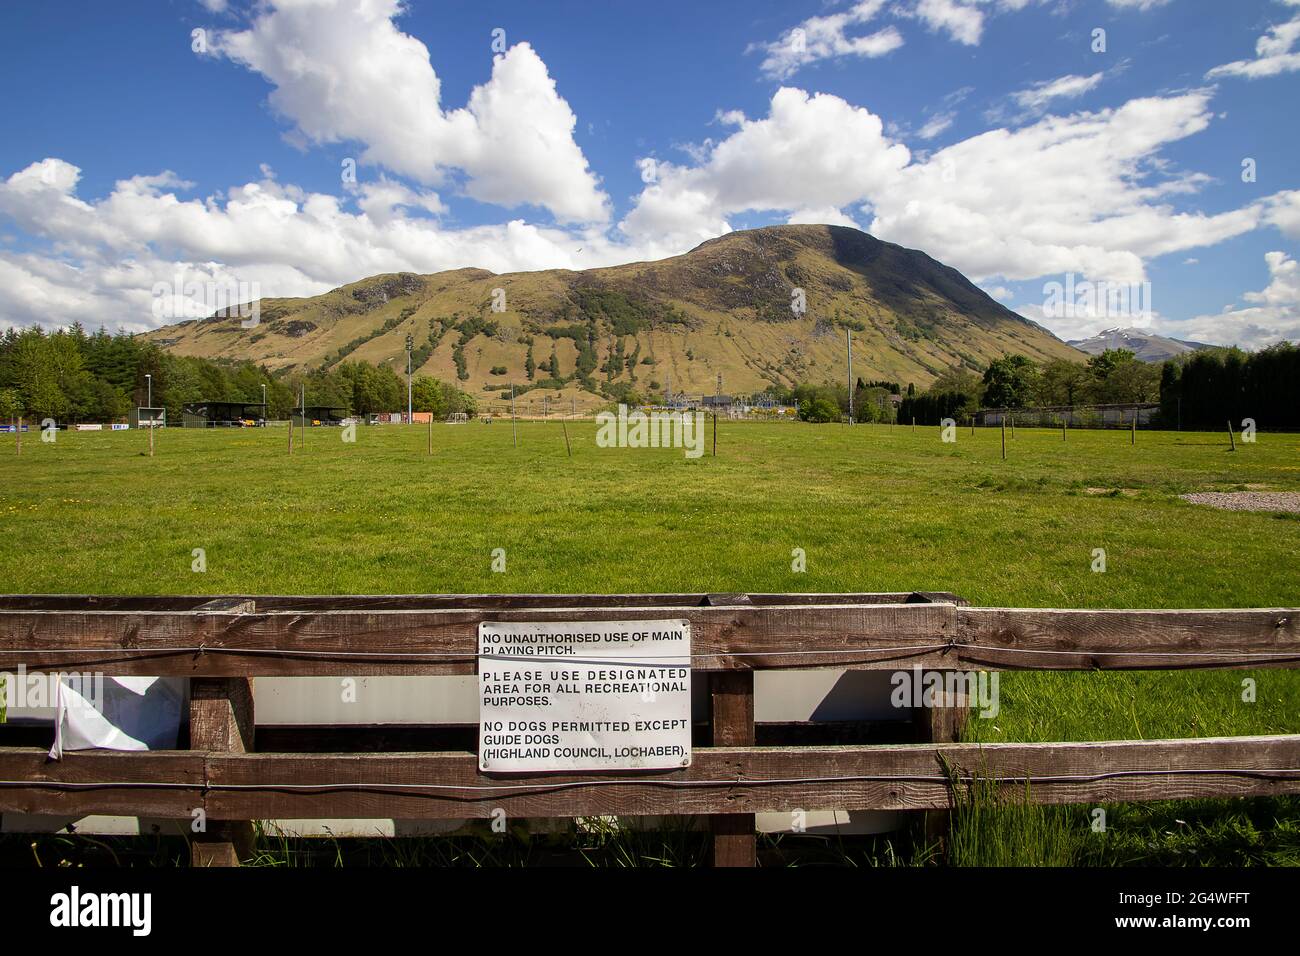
(722, 308)
(1147, 346)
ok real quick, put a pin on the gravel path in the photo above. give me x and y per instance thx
(1248, 500)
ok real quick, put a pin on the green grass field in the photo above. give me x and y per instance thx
(874, 508)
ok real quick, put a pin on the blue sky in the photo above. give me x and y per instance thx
(988, 133)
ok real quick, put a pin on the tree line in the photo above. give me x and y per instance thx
(1201, 389)
(1116, 376)
(872, 401)
(72, 376)
(1207, 389)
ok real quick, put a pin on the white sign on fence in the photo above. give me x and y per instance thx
(586, 695)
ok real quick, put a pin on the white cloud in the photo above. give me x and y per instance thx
(36, 288)
(343, 72)
(383, 200)
(935, 125)
(1086, 193)
(1273, 316)
(1065, 194)
(811, 151)
(1142, 5)
(1039, 95)
(824, 38)
(1081, 324)
(1089, 193)
(1284, 289)
(1273, 53)
(826, 215)
(1283, 211)
(102, 258)
(962, 21)
(828, 37)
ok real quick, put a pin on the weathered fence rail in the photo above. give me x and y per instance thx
(223, 643)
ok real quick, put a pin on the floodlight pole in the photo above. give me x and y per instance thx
(149, 382)
(410, 342)
(848, 345)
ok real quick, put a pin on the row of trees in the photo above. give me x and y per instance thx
(72, 376)
(1016, 381)
(1206, 389)
(1013, 381)
(363, 389)
(1201, 389)
(830, 403)
(1116, 376)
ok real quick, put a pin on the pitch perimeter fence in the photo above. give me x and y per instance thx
(738, 768)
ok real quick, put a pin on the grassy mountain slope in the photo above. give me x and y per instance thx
(722, 308)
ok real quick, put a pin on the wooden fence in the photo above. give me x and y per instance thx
(738, 768)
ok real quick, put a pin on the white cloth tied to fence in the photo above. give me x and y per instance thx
(118, 713)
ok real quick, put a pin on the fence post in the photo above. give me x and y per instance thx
(221, 719)
(731, 721)
(941, 725)
(732, 699)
